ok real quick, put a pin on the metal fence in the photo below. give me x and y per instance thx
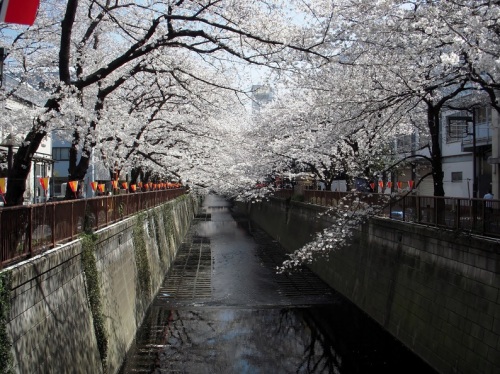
(477, 216)
(32, 229)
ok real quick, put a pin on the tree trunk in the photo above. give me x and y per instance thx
(436, 156)
(436, 162)
(77, 173)
(16, 183)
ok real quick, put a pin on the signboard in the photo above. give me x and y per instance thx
(22, 12)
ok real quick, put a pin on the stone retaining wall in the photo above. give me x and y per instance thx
(52, 324)
(436, 291)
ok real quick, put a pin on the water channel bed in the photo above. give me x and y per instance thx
(223, 309)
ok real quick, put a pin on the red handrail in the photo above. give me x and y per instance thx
(28, 230)
(479, 216)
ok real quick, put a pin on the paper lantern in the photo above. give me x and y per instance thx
(381, 184)
(22, 12)
(410, 184)
(114, 184)
(101, 187)
(139, 184)
(372, 186)
(389, 184)
(125, 185)
(44, 182)
(3, 189)
(73, 185)
(93, 185)
(133, 187)
(400, 184)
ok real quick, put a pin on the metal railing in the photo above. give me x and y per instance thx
(29, 230)
(479, 216)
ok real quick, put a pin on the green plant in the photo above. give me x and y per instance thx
(141, 255)
(159, 242)
(121, 209)
(6, 359)
(299, 198)
(94, 295)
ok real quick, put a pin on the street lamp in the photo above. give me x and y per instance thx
(3, 55)
(10, 142)
(458, 127)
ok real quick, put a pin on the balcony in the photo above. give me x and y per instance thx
(483, 137)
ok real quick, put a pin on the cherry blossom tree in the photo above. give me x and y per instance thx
(96, 47)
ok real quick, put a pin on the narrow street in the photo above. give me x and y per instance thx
(223, 309)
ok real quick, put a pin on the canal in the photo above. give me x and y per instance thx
(223, 309)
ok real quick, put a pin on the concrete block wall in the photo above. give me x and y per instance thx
(51, 325)
(437, 291)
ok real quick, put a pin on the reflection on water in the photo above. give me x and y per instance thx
(257, 321)
(326, 339)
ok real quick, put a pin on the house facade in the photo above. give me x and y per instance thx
(25, 98)
(470, 151)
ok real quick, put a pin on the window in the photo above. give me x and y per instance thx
(483, 115)
(60, 154)
(456, 176)
(456, 129)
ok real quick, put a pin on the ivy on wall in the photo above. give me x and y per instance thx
(6, 359)
(94, 295)
(168, 221)
(141, 255)
(158, 237)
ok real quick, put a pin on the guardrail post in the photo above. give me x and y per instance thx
(419, 213)
(30, 231)
(404, 209)
(54, 225)
(72, 215)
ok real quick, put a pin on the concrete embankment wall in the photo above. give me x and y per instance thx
(434, 290)
(77, 308)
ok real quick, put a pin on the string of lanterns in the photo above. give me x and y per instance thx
(389, 184)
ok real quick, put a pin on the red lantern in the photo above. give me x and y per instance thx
(2, 188)
(410, 184)
(74, 186)
(114, 184)
(381, 184)
(133, 187)
(372, 186)
(101, 187)
(400, 184)
(3, 183)
(44, 182)
(93, 185)
(389, 184)
(125, 185)
(22, 12)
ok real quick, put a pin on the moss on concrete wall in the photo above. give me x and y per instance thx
(93, 291)
(79, 306)
(5, 341)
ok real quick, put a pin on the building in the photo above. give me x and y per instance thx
(470, 154)
(468, 141)
(60, 154)
(261, 95)
(24, 98)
